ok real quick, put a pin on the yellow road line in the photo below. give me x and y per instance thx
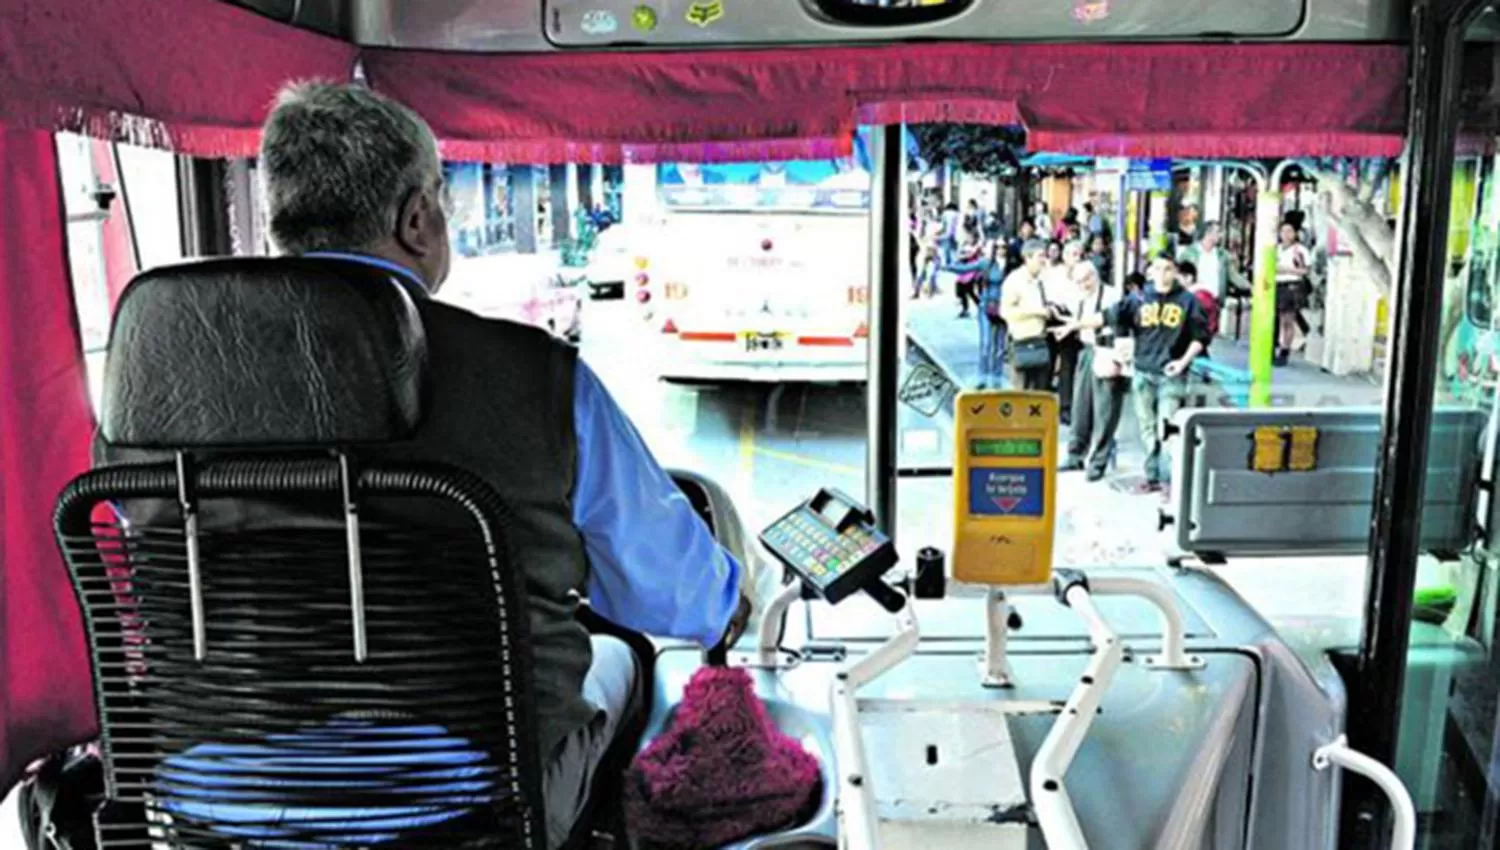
(747, 452)
(810, 462)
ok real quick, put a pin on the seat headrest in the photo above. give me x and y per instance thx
(259, 352)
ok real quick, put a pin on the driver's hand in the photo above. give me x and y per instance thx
(738, 622)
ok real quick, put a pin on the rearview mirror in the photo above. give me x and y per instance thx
(876, 13)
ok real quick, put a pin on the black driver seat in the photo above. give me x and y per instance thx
(295, 642)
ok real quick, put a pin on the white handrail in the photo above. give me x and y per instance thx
(768, 639)
(858, 820)
(1172, 655)
(1404, 833)
(1054, 809)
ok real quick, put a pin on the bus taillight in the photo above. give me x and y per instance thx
(643, 295)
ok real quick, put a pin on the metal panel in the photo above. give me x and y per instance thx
(521, 26)
(1225, 507)
(1165, 760)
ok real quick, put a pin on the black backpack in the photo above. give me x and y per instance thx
(57, 803)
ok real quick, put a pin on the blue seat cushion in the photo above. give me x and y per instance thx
(347, 782)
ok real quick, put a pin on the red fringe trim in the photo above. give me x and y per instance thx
(940, 109)
(617, 153)
(1215, 145)
(111, 125)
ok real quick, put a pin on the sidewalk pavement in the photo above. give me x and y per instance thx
(953, 345)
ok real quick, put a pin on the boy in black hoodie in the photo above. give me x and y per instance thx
(1170, 329)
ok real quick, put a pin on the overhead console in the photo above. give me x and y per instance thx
(528, 26)
(690, 23)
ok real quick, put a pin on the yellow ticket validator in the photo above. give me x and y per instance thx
(1005, 477)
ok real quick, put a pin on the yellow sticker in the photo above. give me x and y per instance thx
(1269, 454)
(1304, 453)
(643, 18)
(704, 13)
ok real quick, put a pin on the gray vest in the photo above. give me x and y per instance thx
(500, 405)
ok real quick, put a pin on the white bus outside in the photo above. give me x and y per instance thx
(753, 271)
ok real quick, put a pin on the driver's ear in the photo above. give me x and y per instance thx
(413, 232)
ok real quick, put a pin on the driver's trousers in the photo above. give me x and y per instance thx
(613, 686)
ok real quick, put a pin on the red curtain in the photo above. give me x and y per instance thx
(194, 76)
(46, 701)
(1205, 100)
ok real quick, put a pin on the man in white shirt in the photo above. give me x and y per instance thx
(1061, 288)
(1099, 385)
(1217, 268)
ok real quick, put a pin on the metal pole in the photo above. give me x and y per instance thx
(1401, 477)
(203, 207)
(1263, 279)
(885, 325)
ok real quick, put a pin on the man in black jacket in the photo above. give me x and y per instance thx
(1170, 329)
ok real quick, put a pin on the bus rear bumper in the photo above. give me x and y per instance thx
(678, 363)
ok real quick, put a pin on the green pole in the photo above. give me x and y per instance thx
(1263, 297)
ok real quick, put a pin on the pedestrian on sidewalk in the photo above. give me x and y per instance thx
(1024, 307)
(1187, 275)
(1099, 256)
(1217, 268)
(1042, 219)
(1061, 289)
(988, 276)
(948, 237)
(1100, 384)
(966, 285)
(929, 260)
(1293, 267)
(1169, 329)
(1025, 233)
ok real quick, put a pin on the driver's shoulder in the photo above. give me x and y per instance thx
(447, 322)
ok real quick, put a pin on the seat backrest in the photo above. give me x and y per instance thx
(280, 658)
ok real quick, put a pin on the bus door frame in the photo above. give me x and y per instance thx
(1436, 54)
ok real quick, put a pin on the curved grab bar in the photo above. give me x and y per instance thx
(1172, 655)
(1054, 810)
(857, 818)
(1404, 833)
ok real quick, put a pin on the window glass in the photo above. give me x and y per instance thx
(724, 306)
(121, 207)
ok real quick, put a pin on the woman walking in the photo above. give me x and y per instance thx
(1293, 265)
(987, 276)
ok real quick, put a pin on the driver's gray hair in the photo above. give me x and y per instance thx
(337, 161)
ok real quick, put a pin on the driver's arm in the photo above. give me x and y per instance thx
(653, 565)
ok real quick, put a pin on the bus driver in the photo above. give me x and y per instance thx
(349, 173)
